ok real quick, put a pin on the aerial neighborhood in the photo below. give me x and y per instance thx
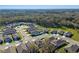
(39, 32)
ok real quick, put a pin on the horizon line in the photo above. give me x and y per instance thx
(39, 6)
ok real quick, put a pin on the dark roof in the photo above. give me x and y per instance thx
(34, 32)
(39, 43)
(61, 32)
(51, 40)
(9, 31)
(31, 29)
(68, 34)
(72, 49)
(31, 25)
(8, 39)
(1, 41)
(59, 43)
(54, 32)
(16, 38)
(55, 24)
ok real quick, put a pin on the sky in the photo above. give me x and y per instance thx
(39, 6)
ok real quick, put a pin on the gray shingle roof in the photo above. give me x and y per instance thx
(68, 34)
(9, 31)
(72, 49)
(59, 43)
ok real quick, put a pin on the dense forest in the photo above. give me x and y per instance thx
(46, 17)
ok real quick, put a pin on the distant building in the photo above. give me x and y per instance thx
(34, 31)
(7, 39)
(9, 31)
(54, 32)
(72, 49)
(31, 25)
(59, 43)
(61, 32)
(9, 49)
(15, 37)
(39, 43)
(25, 50)
(68, 34)
(6, 50)
(51, 39)
(19, 48)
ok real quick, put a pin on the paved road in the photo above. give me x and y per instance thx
(27, 37)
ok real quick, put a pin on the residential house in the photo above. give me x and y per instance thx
(7, 39)
(19, 48)
(39, 43)
(61, 32)
(72, 49)
(9, 31)
(15, 37)
(59, 43)
(54, 32)
(68, 34)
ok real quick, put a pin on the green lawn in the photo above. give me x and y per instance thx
(61, 50)
(1, 27)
